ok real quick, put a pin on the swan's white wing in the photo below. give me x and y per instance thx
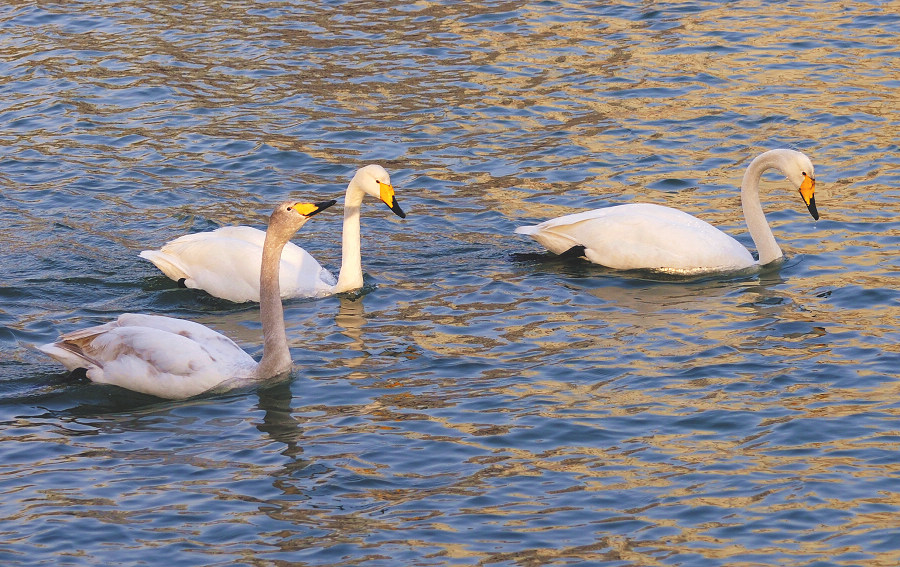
(161, 356)
(226, 263)
(246, 233)
(214, 342)
(643, 236)
(301, 274)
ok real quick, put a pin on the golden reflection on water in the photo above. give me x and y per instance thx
(583, 109)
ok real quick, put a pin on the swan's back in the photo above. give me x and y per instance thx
(643, 236)
(226, 263)
(161, 356)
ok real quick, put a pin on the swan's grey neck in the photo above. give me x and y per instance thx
(759, 228)
(276, 358)
(351, 276)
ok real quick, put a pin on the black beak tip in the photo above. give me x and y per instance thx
(812, 208)
(321, 206)
(397, 210)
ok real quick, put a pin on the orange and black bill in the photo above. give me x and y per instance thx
(387, 195)
(310, 209)
(807, 191)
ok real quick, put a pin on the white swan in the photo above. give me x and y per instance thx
(658, 238)
(174, 358)
(225, 262)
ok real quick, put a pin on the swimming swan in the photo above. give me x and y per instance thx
(225, 262)
(654, 237)
(174, 358)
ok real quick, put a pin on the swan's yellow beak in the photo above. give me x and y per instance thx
(310, 209)
(386, 192)
(807, 191)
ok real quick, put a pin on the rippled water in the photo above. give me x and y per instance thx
(485, 403)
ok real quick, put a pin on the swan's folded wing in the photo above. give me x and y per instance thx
(177, 257)
(644, 236)
(211, 340)
(161, 356)
(226, 263)
(168, 264)
(560, 234)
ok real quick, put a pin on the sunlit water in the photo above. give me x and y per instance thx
(483, 403)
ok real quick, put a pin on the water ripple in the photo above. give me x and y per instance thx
(482, 402)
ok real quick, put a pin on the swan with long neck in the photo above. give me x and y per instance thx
(644, 236)
(225, 262)
(175, 358)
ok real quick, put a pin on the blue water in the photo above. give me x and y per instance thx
(484, 403)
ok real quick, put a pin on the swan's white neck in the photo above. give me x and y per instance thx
(351, 276)
(759, 228)
(276, 358)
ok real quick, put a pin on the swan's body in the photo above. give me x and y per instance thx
(174, 358)
(658, 238)
(225, 262)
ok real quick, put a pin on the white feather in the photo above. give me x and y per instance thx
(654, 237)
(161, 356)
(175, 358)
(225, 262)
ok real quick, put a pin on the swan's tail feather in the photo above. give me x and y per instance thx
(527, 229)
(69, 355)
(553, 239)
(167, 264)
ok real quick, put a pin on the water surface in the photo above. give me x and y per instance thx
(484, 403)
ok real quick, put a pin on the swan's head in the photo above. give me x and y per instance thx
(375, 181)
(794, 165)
(288, 217)
(799, 170)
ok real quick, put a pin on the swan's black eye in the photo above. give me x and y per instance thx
(292, 208)
(804, 173)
